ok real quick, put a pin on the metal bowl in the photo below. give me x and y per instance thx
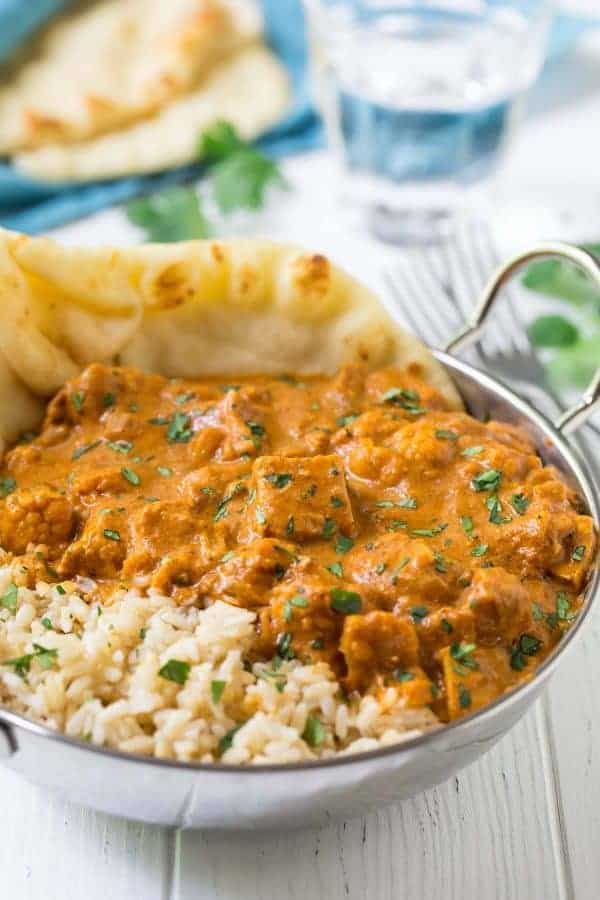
(290, 796)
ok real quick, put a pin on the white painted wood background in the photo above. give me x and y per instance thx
(521, 824)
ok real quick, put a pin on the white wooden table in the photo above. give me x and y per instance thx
(524, 822)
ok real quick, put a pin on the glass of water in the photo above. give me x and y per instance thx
(419, 97)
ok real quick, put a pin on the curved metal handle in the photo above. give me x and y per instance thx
(578, 414)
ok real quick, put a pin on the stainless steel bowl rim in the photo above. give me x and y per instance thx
(592, 496)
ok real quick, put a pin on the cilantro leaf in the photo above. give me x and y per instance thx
(241, 180)
(552, 331)
(174, 214)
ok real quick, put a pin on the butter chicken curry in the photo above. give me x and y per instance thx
(366, 524)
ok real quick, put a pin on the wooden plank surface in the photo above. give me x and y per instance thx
(53, 850)
(490, 833)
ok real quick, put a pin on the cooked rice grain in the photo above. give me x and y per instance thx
(103, 682)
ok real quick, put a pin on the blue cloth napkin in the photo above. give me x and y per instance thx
(34, 207)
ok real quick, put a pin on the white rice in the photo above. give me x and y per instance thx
(103, 683)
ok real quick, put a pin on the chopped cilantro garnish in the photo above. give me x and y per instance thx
(9, 598)
(537, 613)
(260, 516)
(480, 550)
(336, 569)
(179, 430)
(447, 626)
(578, 553)
(120, 446)
(111, 534)
(289, 528)
(428, 532)
(418, 613)
(519, 503)
(22, 664)
(446, 435)
(279, 479)
(314, 733)
(284, 645)
(462, 653)
(216, 690)
(495, 507)
(440, 563)
(336, 502)
(402, 675)
(472, 451)
(257, 432)
(165, 471)
(78, 400)
(85, 448)
(317, 644)
(488, 480)
(109, 400)
(343, 544)
(404, 398)
(227, 740)
(47, 623)
(526, 645)
(329, 527)
(347, 602)
(405, 503)
(131, 476)
(563, 607)
(467, 524)
(464, 697)
(298, 601)
(175, 670)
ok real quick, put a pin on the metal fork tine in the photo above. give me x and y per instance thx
(459, 277)
(415, 313)
(444, 305)
(484, 260)
(516, 334)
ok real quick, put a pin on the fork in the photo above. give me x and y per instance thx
(435, 288)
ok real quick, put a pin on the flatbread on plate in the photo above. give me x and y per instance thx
(107, 64)
(250, 90)
(198, 308)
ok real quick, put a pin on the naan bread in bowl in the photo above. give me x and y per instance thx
(233, 307)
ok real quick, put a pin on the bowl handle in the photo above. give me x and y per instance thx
(578, 414)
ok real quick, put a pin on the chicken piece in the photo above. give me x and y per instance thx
(404, 571)
(301, 497)
(89, 485)
(242, 416)
(486, 676)
(442, 627)
(375, 643)
(500, 604)
(302, 608)
(206, 487)
(580, 554)
(36, 516)
(245, 576)
(100, 549)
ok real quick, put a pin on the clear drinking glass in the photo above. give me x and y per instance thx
(419, 98)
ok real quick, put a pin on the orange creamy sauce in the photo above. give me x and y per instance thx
(366, 524)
